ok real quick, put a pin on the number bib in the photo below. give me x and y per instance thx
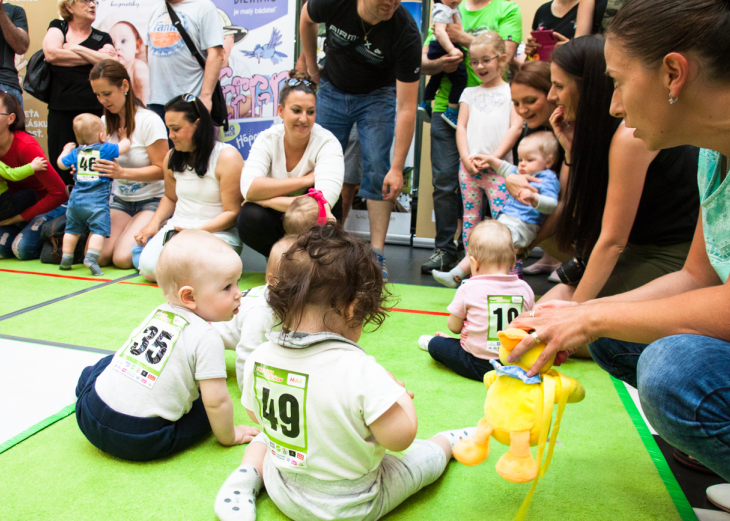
(503, 309)
(84, 161)
(144, 356)
(282, 397)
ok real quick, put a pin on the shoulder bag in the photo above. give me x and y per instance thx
(219, 111)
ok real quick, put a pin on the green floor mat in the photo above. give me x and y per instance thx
(600, 470)
(21, 291)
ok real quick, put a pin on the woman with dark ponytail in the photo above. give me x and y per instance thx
(628, 213)
(671, 337)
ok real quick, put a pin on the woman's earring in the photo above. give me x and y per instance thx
(673, 99)
(127, 92)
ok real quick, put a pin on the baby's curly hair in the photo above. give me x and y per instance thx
(332, 268)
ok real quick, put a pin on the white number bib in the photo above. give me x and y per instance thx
(282, 397)
(145, 354)
(85, 160)
(503, 309)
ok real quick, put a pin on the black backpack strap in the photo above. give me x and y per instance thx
(185, 36)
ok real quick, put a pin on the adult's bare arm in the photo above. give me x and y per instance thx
(446, 63)
(54, 52)
(16, 37)
(308, 30)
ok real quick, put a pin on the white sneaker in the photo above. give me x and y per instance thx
(719, 495)
(554, 277)
(423, 341)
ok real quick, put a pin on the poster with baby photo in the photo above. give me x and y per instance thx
(126, 22)
(259, 47)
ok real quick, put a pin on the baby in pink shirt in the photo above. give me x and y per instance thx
(483, 305)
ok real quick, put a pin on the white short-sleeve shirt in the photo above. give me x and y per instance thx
(148, 129)
(315, 403)
(197, 354)
(444, 14)
(490, 110)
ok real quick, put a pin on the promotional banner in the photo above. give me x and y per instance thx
(259, 45)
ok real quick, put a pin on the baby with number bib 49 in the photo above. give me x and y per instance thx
(89, 201)
(143, 402)
(483, 305)
(328, 411)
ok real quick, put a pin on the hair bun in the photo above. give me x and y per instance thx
(296, 74)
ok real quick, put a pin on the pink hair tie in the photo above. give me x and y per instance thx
(321, 201)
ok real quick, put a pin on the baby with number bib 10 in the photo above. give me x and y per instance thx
(89, 201)
(483, 305)
(328, 411)
(143, 402)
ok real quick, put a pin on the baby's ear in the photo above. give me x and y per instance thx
(550, 161)
(186, 294)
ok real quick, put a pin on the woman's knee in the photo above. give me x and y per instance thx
(26, 247)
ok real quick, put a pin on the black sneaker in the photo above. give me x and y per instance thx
(440, 260)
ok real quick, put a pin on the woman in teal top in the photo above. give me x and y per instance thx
(671, 337)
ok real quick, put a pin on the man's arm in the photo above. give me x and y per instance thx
(308, 32)
(405, 124)
(213, 64)
(446, 63)
(16, 37)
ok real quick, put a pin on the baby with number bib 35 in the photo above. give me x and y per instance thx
(483, 305)
(143, 402)
(328, 411)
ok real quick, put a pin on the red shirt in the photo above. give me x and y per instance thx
(47, 185)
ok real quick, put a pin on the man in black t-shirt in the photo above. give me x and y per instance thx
(373, 58)
(13, 40)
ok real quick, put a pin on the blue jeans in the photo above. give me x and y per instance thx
(17, 94)
(374, 114)
(684, 389)
(449, 352)
(445, 178)
(130, 437)
(23, 240)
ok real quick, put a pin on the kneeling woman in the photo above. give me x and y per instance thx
(201, 183)
(284, 162)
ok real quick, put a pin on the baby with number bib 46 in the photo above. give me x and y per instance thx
(143, 402)
(89, 201)
(328, 411)
(483, 305)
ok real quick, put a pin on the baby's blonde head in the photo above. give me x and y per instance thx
(301, 215)
(277, 251)
(490, 243)
(189, 258)
(87, 128)
(546, 142)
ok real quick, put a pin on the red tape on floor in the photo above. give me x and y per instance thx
(57, 275)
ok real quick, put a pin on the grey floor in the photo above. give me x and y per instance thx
(404, 267)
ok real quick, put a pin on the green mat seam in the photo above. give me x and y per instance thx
(60, 415)
(686, 512)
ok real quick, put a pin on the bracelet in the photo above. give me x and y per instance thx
(566, 163)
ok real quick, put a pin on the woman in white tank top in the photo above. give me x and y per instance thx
(202, 179)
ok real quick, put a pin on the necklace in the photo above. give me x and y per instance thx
(363, 29)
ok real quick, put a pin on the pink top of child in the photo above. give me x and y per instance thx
(488, 303)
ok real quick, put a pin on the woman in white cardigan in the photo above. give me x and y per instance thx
(285, 161)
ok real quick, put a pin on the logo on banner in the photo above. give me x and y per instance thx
(165, 40)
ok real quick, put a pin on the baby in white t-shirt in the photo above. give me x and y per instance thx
(143, 402)
(328, 411)
(255, 319)
(483, 305)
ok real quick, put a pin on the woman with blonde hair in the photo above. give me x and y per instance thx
(72, 47)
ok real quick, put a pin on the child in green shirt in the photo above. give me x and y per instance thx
(12, 204)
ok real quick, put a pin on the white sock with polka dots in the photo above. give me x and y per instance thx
(236, 500)
(458, 434)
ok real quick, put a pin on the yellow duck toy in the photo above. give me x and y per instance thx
(518, 412)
